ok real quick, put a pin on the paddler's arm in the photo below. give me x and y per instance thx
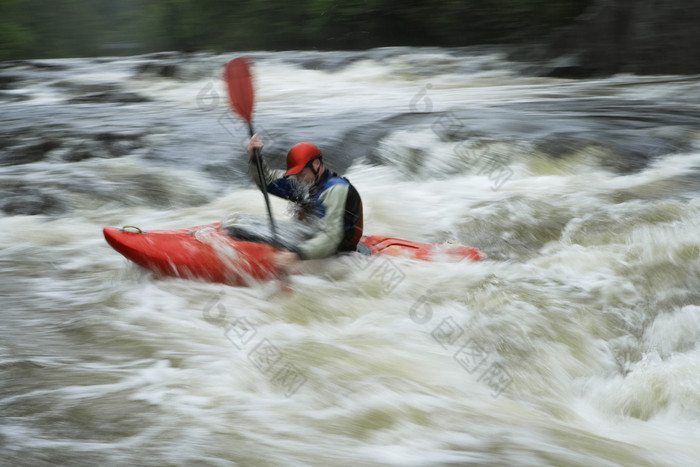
(325, 243)
(270, 175)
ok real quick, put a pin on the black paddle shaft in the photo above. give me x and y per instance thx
(263, 188)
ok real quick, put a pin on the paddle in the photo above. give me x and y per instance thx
(242, 96)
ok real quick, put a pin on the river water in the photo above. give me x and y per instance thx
(575, 342)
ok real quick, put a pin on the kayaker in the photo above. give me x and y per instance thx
(321, 196)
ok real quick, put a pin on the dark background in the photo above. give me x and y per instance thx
(588, 37)
(71, 28)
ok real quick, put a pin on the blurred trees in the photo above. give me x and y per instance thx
(63, 28)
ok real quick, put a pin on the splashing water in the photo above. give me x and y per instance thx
(574, 343)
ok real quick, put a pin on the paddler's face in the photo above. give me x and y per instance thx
(306, 177)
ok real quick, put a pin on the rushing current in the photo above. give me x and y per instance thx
(575, 342)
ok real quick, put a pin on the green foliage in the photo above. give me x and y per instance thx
(36, 28)
(15, 37)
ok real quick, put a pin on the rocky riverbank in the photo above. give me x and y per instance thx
(629, 36)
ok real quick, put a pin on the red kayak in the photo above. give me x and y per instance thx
(208, 253)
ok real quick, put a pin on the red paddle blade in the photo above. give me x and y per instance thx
(240, 87)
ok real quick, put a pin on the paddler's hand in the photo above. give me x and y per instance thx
(254, 143)
(286, 261)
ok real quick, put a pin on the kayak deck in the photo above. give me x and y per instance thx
(207, 253)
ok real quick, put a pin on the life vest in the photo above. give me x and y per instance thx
(313, 206)
(353, 219)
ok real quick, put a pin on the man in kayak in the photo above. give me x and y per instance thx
(321, 195)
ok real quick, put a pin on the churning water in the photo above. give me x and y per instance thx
(574, 343)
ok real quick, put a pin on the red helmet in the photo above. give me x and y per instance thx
(300, 155)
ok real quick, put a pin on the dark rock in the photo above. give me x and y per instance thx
(109, 97)
(328, 61)
(29, 201)
(122, 147)
(184, 67)
(11, 97)
(120, 144)
(104, 146)
(9, 81)
(162, 70)
(629, 36)
(53, 144)
(166, 55)
(28, 154)
(224, 171)
(82, 88)
(631, 151)
(561, 145)
(80, 154)
(99, 93)
(43, 65)
(7, 64)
